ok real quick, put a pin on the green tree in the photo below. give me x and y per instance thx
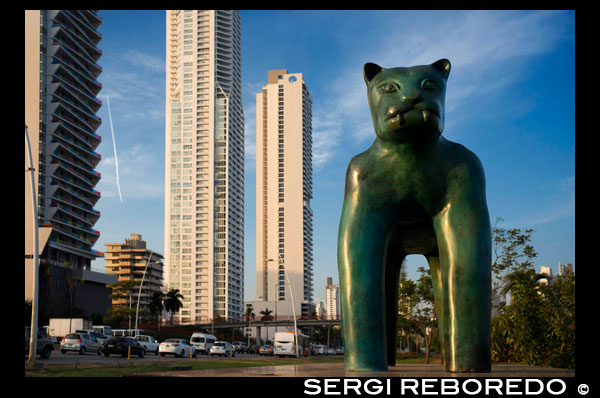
(249, 314)
(407, 300)
(560, 316)
(173, 302)
(425, 309)
(512, 251)
(266, 315)
(121, 296)
(156, 307)
(538, 327)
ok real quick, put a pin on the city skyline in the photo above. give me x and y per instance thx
(510, 99)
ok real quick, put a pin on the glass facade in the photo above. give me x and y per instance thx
(204, 179)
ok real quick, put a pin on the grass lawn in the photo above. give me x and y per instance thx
(99, 370)
(122, 368)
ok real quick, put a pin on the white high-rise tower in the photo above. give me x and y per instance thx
(204, 164)
(283, 193)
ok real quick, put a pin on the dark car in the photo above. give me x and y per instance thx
(123, 346)
(266, 350)
(45, 345)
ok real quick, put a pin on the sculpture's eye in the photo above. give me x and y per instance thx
(389, 87)
(428, 85)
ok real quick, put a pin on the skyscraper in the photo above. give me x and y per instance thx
(61, 103)
(332, 300)
(204, 164)
(283, 193)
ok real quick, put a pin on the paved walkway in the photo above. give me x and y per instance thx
(337, 370)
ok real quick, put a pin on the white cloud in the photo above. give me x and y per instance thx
(138, 172)
(554, 206)
(146, 61)
(488, 50)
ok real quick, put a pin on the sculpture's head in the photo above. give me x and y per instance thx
(407, 104)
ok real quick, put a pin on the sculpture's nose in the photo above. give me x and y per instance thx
(412, 97)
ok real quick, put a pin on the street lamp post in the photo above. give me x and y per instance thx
(292, 298)
(140, 292)
(34, 303)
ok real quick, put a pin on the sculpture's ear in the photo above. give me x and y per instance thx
(370, 70)
(443, 66)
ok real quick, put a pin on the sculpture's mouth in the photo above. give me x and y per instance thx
(399, 116)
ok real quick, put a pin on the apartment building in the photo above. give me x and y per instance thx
(61, 103)
(204, 164)
(283, 194)
(332, 300)
(131, 260)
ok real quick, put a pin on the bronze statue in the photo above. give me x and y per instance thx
(414, 192)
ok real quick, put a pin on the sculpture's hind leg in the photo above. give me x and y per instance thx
(393, 265)
(463, 234)
(436, 276)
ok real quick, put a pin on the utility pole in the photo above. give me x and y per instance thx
(34, 303)
(140, 292)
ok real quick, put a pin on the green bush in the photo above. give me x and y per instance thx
(538, 327)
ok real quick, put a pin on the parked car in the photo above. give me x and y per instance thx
(123, 346)
(266, 350)
(81, 343)
(330, 351)
(44, 346)
(223, 348)
(148, 342)
(178, 347)
(253, 349)
(318, 349)
(203, 342)
(99, 336)
(339, 350)
(240, 346)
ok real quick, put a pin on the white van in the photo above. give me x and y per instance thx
(203, 342)
(285, 344)
(103, 329)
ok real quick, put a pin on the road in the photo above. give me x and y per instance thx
(72, 358)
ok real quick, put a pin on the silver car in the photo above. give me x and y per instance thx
(223, 348)
(81, 343)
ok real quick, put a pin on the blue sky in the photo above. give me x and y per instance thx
(510, 99)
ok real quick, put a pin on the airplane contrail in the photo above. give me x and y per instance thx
(114, 147)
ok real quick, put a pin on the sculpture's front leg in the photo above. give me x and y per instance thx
(464, 242)
(361, 251)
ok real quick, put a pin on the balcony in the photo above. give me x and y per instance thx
(78, 20)
(92, 158)
(76, 204)
(87, 216)
(67, 84)
(59, 29)
(80, 103)
(73, 68)
(74, 194)
(79, 127)
(89, 176)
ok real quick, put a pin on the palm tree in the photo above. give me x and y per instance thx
(172, 302)
(249, 315)
(156, 306)
(266, 315)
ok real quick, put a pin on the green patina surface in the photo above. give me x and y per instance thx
(414, 192)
